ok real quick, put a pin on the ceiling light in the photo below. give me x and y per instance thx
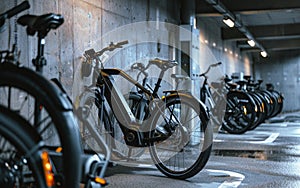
(228, 22)
(251, 43)
(263, 54)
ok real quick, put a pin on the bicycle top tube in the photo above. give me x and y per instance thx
(114, 71)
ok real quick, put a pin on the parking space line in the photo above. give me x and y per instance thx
(270, 139)
(235, 178)
(275, 124)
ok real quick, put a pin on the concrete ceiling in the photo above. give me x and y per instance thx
(275, 24)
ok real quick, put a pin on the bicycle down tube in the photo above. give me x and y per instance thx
(120, 107)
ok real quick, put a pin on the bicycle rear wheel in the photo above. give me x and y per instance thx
(20, 158)
(20, 90)
(187, 150)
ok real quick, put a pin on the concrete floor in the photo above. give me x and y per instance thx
(268, 156)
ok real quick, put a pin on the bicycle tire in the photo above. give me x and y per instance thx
(268, 102)
(58, 117)
(17, 139)
(187, 106)
(278, 102)
(240, 112)
(259, 109)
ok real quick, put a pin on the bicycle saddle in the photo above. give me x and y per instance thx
(232, 85)
(260, 81)
(226, 79)
(247, 77)
(163, 64)
(41, 24)
(241, 82)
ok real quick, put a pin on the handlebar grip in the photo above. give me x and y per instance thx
(123, 42)
(21, 7)
(216, 64)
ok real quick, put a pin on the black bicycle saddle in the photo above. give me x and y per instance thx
(41, 24)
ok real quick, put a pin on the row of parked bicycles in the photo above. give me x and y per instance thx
(239, 104)
(47, 141)
(249, 105)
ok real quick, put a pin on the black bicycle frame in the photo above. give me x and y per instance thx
(206, 94)
(135, 134)
(120, 108)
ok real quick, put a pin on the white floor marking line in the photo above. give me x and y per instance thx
(270, 139)
(218, 140)
(276, 124)
(283, 125)
(235, 178)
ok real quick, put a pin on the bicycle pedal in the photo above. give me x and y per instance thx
(98, 182)
(93, 164)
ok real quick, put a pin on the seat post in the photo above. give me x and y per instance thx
(157, 85)
(40, 60)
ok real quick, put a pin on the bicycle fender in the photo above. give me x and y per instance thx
(47, 88)
(57, 106)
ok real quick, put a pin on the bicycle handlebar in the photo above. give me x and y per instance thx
(140, 67)
(19, 8)
(210, 66)
(122, 43)
(160, 63)
(111, 47)
(93, 54)
(216, 64)
(14, 11)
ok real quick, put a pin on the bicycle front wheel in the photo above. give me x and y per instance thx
(49, 113)
(20, 163)
(187, 149)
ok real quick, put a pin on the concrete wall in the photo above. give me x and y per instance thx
(214, 49)
(86, 23)
(284, 72)
(95, 23)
